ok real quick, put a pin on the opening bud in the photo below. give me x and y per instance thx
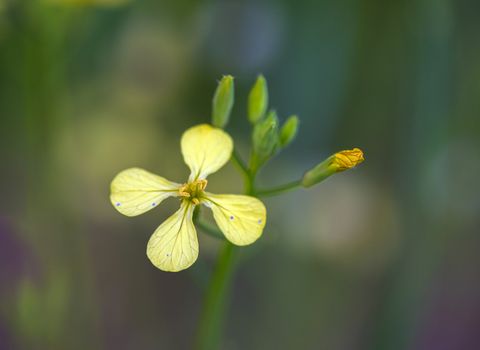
(223, 102)
(336, 163)
(258, 100)
(347, 159)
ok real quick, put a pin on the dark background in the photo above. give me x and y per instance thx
(383, 257)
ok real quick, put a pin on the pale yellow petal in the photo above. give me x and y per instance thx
(174, 246)
(205, 149)
(135, 191)
(240, 218)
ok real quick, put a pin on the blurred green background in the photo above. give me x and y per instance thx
(383, 257)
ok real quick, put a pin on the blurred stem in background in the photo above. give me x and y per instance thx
(40, 36)
(37, 56)
(406, 298)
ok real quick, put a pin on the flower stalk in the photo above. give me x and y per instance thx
(275, 191)
(216, 297)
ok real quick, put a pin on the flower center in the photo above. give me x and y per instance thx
(193, 191)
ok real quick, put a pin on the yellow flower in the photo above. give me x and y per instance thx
(174, 245)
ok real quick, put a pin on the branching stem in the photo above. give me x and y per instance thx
(275, 191)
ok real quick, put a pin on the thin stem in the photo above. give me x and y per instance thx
(216, 297)
(237, 160)
(254, 163)
(211, 322)
(250, 184)
(208, 228)
(279, 189)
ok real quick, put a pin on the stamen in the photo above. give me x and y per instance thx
(193, 190)
(183, 191)
(202, 184)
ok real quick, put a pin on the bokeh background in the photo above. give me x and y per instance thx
(383, 257)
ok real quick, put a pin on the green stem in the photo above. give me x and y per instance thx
(250, 184)
(216, 298)
(211, 322)
(279, 189)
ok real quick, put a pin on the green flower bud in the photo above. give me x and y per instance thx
(258, 100)
(265, 139)
(289, 131)
(223, 102)
(336, 163)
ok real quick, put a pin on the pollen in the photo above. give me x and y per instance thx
(193, 191)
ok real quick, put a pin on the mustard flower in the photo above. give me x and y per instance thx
(174, 244)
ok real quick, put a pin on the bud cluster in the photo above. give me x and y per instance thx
(268, 136)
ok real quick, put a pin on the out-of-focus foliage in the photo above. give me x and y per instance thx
(87, 3)
(383, 257)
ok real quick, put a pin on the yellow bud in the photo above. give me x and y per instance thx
(347, 159)
(338, 162)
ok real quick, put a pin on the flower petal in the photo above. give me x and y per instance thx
(135, 191)
(205, 149)
(174, 246)
(241, 218)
